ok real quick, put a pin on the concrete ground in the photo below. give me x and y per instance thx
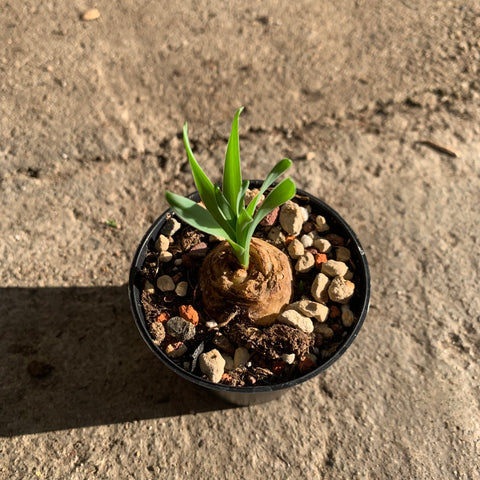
(378, 105)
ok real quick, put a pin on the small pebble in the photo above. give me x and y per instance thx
(288, 358)
(250, 195)
(310, 156)
(162, 243)
(323, 330)
(211, 324)
(341, 290)
(320, 259)
(297, 320)
(188, 313)
(165, 257)
(241, 357)
(347, 316)
(305, 263)
(322, 245)
(296, 249)
(308, 227)
(157, 330)
(312, 309)
(175, 350)
(332, 268)
(165, 283)
(177, 262)
(335, 240)
(307, 240)
(291, 218)
(212, 364)
(171, 227)
(229, 365)
(321, 224)
(148, 288)
(199, 250)
(342, 254)
(181, 289)
(271, 218)
(305, 214)
(180, 328)
(320, 288)
(91, 14)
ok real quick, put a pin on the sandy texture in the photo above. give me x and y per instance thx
(90, 114)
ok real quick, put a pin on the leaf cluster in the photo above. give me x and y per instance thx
(225, 214)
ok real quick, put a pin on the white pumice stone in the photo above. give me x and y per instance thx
(304, 213)
(162, 243)
(296, 248)
(212, 364)
(319, 288)
(312, 309)
(332, 268)
(307, 240)
(321, 224)
(322, 245)
(165, 283)
(291, 218)
(181, 289)
(341, 290)
(297, 320)
(288, 358)
(305, 263)
(241, 357)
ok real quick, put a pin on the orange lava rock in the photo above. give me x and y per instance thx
(320, 258)
(305, 365)
(226, 378)
(289, 239)
(163, 317)
(187, 312)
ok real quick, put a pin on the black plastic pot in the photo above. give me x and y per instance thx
(258, 394)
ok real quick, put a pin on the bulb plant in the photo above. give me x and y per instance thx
(225, 214)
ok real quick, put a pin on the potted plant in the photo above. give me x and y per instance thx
(249, 288)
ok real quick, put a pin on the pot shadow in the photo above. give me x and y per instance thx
(73, 357)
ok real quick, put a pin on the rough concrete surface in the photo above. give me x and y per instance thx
(90, 115)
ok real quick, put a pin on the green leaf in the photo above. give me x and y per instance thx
(243, 222)
(196, 216)
(232, 174)
(283, 192)
(275, 172)
(241, 196)
(205, 187)
(224, 207)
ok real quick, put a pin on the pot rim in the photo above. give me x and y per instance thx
(137, 310)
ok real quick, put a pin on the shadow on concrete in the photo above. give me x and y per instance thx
(72, 357)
